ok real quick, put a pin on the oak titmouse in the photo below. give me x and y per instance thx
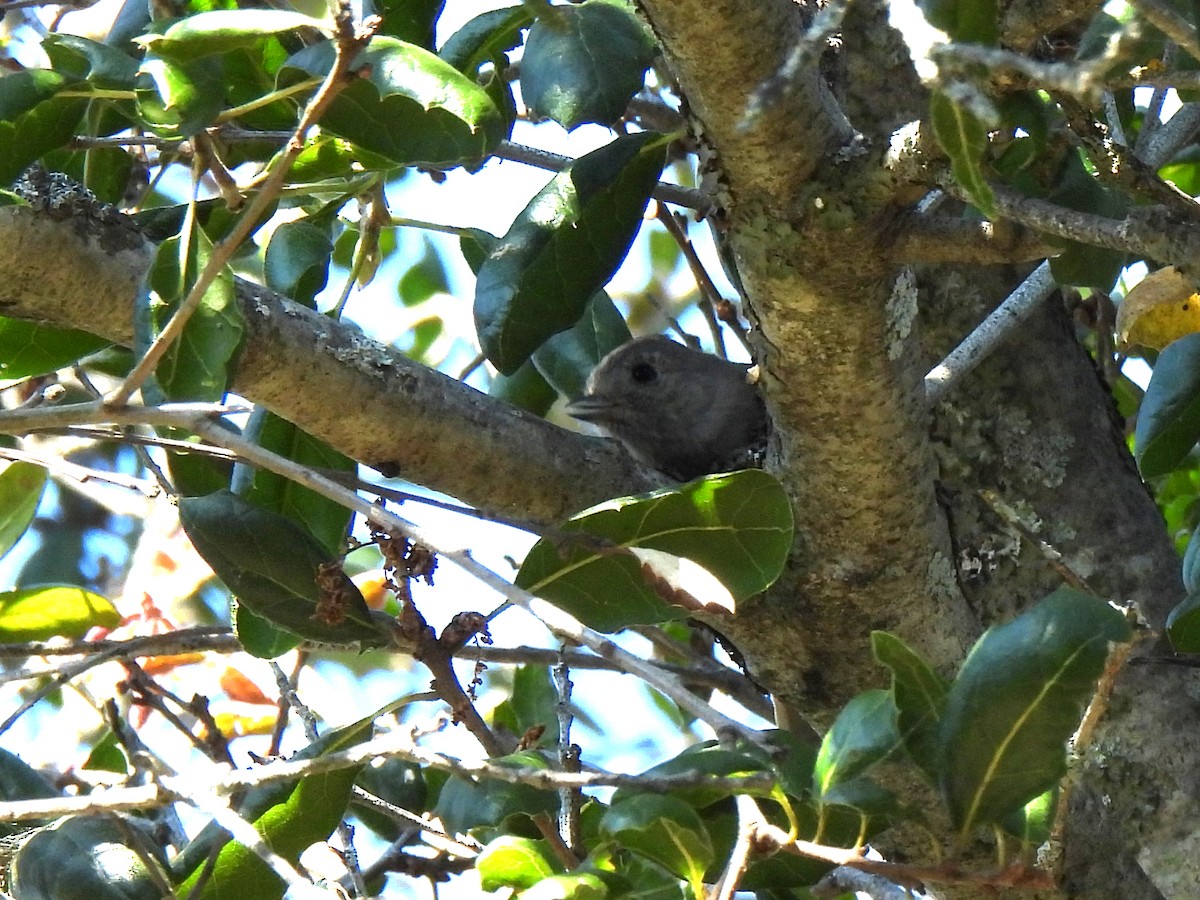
(681, 411)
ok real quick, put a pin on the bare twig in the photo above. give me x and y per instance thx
(1030, 294)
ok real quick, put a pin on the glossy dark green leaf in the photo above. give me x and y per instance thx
(21, 487)
(476, 245)
(258, 636)
(296, 263)
(93, 857)
(736, 528)
(530, 703)
(919, 694)
(708, 758)
(525, 388)
(965, 140)
(1168, 423)
(1183, 624)
(33, 119)
(399, 782)
(564, 247)
(222, 31)
(567, 358)
(57, 610)
(966, 21)
(102, 65)
(412, 21)
(296, 817)
(28, 349)
(863, 734)
(665, 830)
(463, 805)
(486, 37)
(197, 365)
(271, 564)
(584, 63)
(180, 97)
(1191, 556)
(325, 520)
(1018, 698)
(414, 109)
(20, 781)
(1084, 264)
(514, 862)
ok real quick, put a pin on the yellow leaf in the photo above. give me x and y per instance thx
(1161, 308)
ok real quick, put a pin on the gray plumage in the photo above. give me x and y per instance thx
(681, 411)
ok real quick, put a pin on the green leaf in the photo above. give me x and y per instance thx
(486, 38)
(966, 21)
(572, 886)
(919, 694)
(525, 388)
(308, 812)
(965, 140)
(258, 636)
(224, 30)
(414, 21)
(736, 527)
(271, 563)
(108, 755)
(1019, 696)
(325, 519)
(399, 782)
(665, 830)
(863, 734)
(1183, 625)
(20, 781)
(198, 364)
(39, 613)
(566, 359)
(1085, 264)
(21, 487)
(180, 97)
(564, 247)
(1034, 822)
(33, 120)
(1168, 424)
(296, 263)
(93, 857)
(531, 703)
(413, 109)
(464, 805)
(514, 862)
(708, 758)
(28, 349)
(584, 63)
(102, 65)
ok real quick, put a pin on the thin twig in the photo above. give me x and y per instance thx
(988, 335)
(395, 744)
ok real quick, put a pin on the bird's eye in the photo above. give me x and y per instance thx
(644, 373)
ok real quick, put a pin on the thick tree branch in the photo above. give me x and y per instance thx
(367, 400)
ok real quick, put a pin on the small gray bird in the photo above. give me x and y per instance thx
(681, 411)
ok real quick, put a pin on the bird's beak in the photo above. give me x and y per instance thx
(590, 408)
